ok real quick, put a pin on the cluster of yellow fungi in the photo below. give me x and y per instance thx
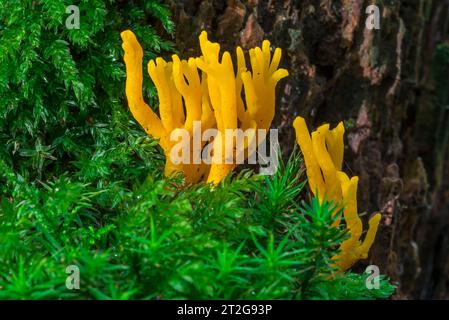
(205, 90)
(323, 156)
(209, 91)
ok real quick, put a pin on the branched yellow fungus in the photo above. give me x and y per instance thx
(172, 88)
(323, 155)
(212, 97)
(225, 93)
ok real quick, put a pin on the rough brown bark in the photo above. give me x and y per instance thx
(375, 81)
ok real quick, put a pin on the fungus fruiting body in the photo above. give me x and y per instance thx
(206, 90)
(175, 94)
(323, 156)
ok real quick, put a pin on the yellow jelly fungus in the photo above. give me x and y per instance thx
(172, 88)
(323, 156)
(225, 89)
(210, 91)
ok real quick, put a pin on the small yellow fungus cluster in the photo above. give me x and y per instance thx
(205, 90)
(323, 155)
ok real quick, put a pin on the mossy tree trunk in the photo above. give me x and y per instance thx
(378, 82)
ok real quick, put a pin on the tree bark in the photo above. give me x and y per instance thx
(377, 81)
